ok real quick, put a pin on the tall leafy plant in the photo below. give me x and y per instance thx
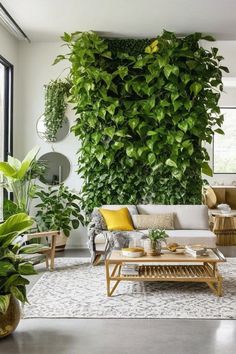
(142, 118)
(19, 178)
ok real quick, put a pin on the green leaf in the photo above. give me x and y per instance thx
(26, 269)
(151, 133)
(219, 131)
(75, 223)
(162, 60)
(185, 78)
(160, 114)
(208, 38)
(66, 37)
(179, 136)
(130, 151)
(14, 163)
(6, 169)
(183, 126)
(27, 162)
(177, 104)
(19, 293)
(206, 169)
(224, 68)
(122, 71)
(4, 303)
(151, 158)
(175, 70)
(167, 70)
(171, 163)
(6, 268)
(118, 145)
(32, 248)
(110, 131)
(196, 87)
(133, 123)
(16, 223)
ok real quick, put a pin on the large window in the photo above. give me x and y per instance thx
(225, 145)
(6, 103)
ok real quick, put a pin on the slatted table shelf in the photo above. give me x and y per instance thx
(204, 269)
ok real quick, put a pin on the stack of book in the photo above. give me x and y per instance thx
(130, 269)
(196, 251)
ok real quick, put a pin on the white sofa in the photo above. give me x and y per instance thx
(191, 224)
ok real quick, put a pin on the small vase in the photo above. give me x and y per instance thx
(10, 320)
(152, 248)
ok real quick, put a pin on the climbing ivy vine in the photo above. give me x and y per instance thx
(142, 116)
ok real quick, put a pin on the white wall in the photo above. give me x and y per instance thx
(36, 70)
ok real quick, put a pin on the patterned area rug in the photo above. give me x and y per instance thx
(78, 290)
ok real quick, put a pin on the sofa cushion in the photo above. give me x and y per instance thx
(117, 219)
(132, 208)
(190, 237)
(187, 217)
(155, 221)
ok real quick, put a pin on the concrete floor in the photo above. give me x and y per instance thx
(122, 336)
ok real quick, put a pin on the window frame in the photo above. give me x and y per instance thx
(7, 113)
(213, 150)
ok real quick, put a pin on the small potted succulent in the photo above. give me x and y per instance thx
(156, 236)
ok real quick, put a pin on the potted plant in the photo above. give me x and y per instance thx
(13, 268)
(19, 179)
(58, 210)
(56, 93)
(156, 236)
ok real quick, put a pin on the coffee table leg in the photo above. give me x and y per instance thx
(110, 290)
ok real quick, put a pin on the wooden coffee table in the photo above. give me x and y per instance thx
(167, 267)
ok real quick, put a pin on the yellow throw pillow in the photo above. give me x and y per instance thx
(118, 220)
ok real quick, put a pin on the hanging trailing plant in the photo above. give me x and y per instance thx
(142, 118)
(56, 93)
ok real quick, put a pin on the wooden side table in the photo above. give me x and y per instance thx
(224, 226)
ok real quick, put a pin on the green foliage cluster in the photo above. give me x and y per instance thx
(157, 235)
(55, 106)
(142, 117)
(13, 266)
(130, 46)
(58, 210)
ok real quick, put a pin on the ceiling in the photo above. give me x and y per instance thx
(46, 20)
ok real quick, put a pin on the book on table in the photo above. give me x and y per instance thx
(196, 251)
(130, 269)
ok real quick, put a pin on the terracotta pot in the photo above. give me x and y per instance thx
(61, 242)
(10, 320)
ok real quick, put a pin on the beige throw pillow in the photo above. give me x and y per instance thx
(154, 221)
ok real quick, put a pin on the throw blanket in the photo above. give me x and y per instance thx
(113, 239)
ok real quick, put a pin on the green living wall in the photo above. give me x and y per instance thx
(144, 109)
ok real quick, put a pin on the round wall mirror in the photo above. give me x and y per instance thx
(49, 137)
(57, 168)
